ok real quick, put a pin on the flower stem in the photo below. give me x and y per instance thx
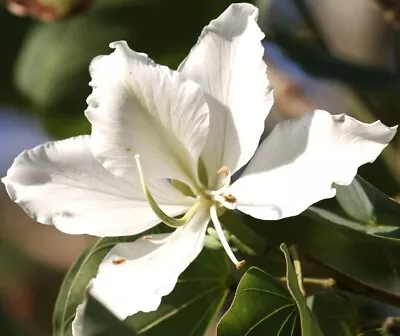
(325, 283)
(297, 266)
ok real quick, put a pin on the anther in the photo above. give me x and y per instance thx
(228, 201)
(240, 264)
(118, 261)
(227, 173)
(223, 171)
(230, 198)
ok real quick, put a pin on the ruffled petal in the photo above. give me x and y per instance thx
(61, 183)
(139, 107)
(297, 163)
(135, 276)
(227, 63)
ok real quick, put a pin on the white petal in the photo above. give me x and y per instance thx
(134, 276)
(61, 183)
(297, 163)
(227, 63)
(79, 320)
(139, 107)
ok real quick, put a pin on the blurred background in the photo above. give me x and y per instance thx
(338, 55)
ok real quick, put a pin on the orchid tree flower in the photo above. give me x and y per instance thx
(163, 148)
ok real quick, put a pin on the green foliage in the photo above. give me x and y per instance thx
(74, 285)
(336, 313)
(309, 325)
(262, 305)
(355, 202)
(11, 43)
(101, 322)
(191, 310)
(195, 301)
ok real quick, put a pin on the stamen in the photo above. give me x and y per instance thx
(224, 242)
(240, 264)
(230, 198)
(227, 173)
(170, 221)
(228, 201)
(224, 171)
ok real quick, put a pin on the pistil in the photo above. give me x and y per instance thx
(170, 221)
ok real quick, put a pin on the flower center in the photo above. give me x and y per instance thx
(214, 199)
(219, 196)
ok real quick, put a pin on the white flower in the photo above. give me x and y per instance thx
(166, 143)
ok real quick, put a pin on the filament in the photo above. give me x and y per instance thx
(222, 238)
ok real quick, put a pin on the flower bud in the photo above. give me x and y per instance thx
(47, 10)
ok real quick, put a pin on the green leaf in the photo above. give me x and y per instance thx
(309, 325)
(373, 264)
(195, 301)
(373, 213)
(345, 255)
(383, 210)
(355, 202)
(72, 290)
(189, 309)
(262, 306)
(369, 233)
(387, 210)
(336, 313)
(101, 322)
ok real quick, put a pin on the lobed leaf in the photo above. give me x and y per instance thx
(263, 306)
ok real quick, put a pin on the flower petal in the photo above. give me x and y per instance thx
(134, 276)
(139, 107)
(227, 63)
(61, 183)
(79, 320)
(297, 163)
